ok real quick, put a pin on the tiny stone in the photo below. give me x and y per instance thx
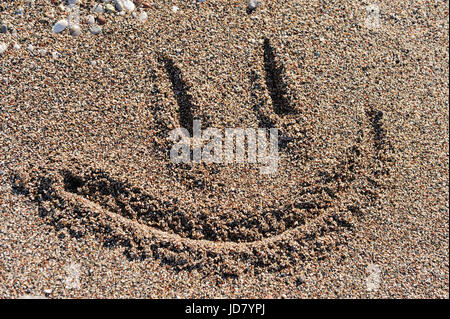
(3, 47)
(98, 8)
(60, 26)
(101, 20)
(143, 16)
(119, 5)
(175, 9)
(300, 280)
(55, 55)
(146, 5)
(17, 46)
(252, 5)
(48, 291)
(128, 5)
(95, 29)
(30, 48)
(90, 19)
(75, 30)
(110, 8)
(19, 11)
(3, 29)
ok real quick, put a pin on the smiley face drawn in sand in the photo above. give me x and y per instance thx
(224, 216)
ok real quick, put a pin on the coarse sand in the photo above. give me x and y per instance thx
(91, 205)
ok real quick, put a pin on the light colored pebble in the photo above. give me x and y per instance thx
(128, 5)
(253, 4)
(143, 16)
(95, 29)
(98, 8)
(19, 11)
(3, 47)
(60, 26)
(90, 19)
(119, 5)
(110, 8)
(75, 30)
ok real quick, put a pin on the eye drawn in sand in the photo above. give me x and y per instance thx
(319, 212)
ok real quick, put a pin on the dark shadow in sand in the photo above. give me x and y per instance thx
(275, 83)
(180, 90)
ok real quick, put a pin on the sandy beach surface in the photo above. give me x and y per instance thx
(92, 206)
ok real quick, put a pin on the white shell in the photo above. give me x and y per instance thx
(60, 26)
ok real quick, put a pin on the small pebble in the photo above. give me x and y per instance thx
(19, 11)
(3, 29)
(60, 26)
(75, 30)
(101, 20)
(143, 16)
(175, 9)
(122, 5)
(90, 19)
(30, 48)
(3, 47)
(252, 5)
(119, 5)
(110, 8)
(95, 29)
(98, 8)
(128, 5)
